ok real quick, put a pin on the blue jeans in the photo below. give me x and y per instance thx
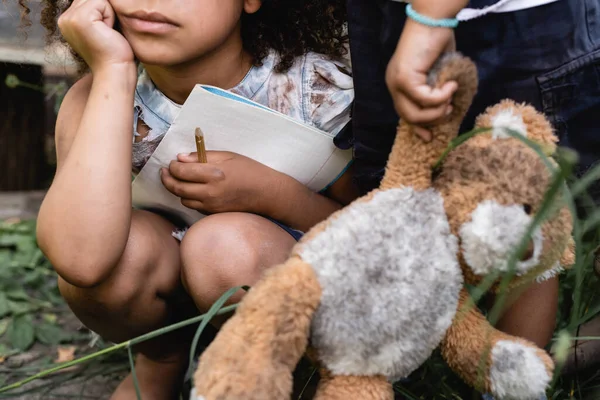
(547, 56)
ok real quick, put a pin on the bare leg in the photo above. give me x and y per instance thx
(354, 388)
(532, 314)
(142, 294)
(227, 250)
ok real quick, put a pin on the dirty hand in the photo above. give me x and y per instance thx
(87, 25)
(415, 101)
(228, 182)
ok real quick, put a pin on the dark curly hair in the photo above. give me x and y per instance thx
(289, 27)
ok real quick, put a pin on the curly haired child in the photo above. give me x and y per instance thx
(121, 270)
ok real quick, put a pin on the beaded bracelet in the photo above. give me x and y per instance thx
(435, 23)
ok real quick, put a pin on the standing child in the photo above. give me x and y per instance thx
(121, 270)
(543, 52)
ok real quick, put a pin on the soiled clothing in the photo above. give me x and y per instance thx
(547, 56)
(315, 90)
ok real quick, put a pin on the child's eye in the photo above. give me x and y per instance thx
(527, 208)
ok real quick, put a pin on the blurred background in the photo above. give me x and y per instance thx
(33, 79)
(37, 330)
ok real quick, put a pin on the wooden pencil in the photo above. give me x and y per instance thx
(200, 147)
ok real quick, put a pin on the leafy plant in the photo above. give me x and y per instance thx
(29, 297)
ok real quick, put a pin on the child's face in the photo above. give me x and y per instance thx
(172, 32)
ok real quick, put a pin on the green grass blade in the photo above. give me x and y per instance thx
(136, 384)
(218, 305)
(120, 346)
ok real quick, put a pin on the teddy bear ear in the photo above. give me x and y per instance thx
(520, 118)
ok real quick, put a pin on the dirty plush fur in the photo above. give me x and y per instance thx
(379, 284)
(395, 277)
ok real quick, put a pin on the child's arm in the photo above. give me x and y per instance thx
(439, 9)
(300, 208)
(418, 49)
(233, 183)
(84, 221)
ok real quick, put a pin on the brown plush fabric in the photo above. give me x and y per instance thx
(411, 158)
(469, 342)
(256, 351)
(539, 128)
(508, 172)
(354, 388)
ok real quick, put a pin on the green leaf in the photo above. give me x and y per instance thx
(20, 307)
(5, 256)
(21, 333)
(4, 325)
(50, 318)
(49, 334)
(34, 278)
(17, 294)
(6, 351)
(4, 305)
(9, 240)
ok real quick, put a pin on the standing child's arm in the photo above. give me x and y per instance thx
(84, 221)
(418, 49)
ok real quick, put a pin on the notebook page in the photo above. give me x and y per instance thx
(240, 126)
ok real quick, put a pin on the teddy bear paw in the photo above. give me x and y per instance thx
(519, 371)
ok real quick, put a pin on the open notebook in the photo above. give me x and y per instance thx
(233, 123)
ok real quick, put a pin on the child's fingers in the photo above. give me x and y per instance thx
(427, 97)
(423, 133)
(193, 204)
(181, 188)
(195, 172)
(187, 157)
(416, 115)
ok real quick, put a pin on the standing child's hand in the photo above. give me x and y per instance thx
(87, 25)
(229, 182)
(406, 77)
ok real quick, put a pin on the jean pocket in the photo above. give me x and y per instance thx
(571, 100)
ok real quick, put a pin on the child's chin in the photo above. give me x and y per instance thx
(160, 57)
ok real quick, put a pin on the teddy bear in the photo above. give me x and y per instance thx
(373, 290)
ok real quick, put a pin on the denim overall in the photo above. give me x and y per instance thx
(547, 56)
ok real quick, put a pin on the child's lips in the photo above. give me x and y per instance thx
(149, 22)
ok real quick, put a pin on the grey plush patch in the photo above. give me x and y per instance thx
(390, 280)
(432, 77)
(517, 372)
(491, 236)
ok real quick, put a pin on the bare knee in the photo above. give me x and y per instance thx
(148, 236)
(148, 269)
(227, 250)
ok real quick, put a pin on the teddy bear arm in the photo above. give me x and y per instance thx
(339, 387)
(492, 361)
(256, 351)
(411, 159)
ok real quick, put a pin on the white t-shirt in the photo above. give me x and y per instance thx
(501, 6)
